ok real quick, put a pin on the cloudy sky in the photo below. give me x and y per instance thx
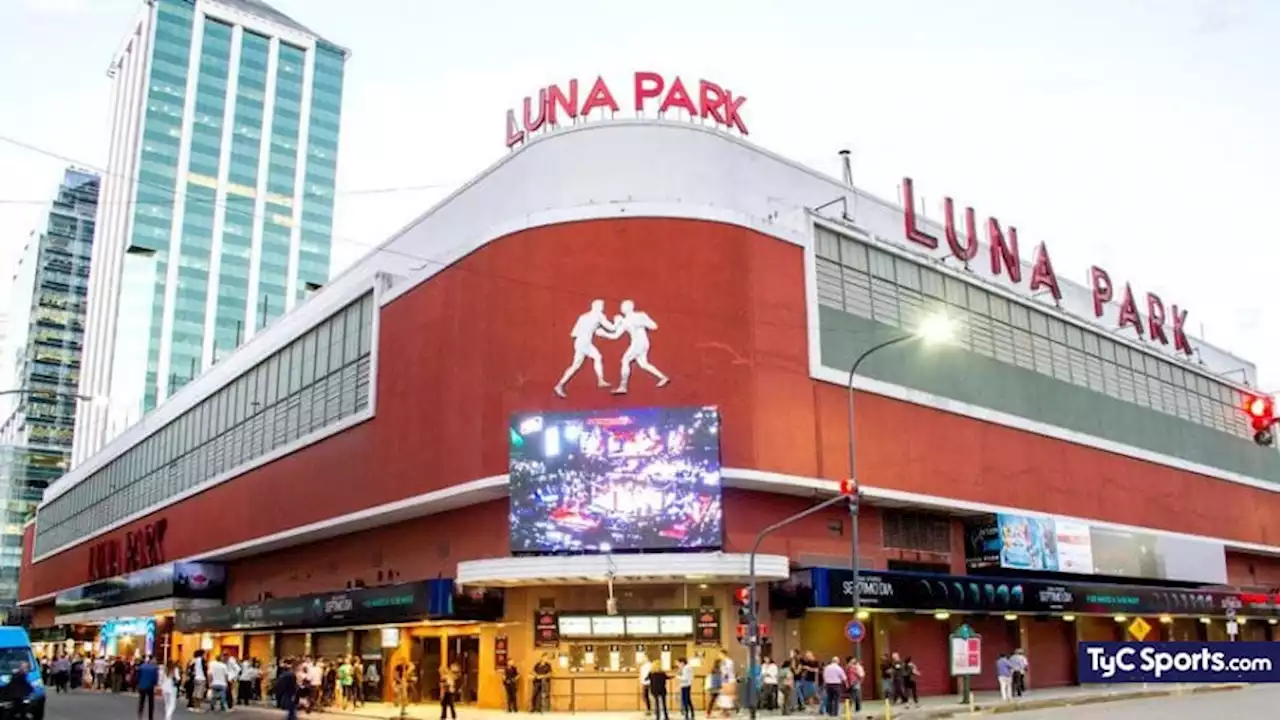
(1141, 136)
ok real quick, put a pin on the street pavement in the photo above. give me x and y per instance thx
(1258, 701)
(1253, 702)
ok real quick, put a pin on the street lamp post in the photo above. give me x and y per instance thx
(934, 329)
(753, 622)
(54, 393)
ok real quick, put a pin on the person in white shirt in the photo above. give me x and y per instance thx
(686, 689)
(834, 681)
(169, 689)
(769, 684)
(646, 668)
(1020, 665)
(100, 673)
(233, 680)
(726, 668)
(195, 695)
(249, 678)
(217, 685)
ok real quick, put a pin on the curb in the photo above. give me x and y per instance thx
(979, 709)
(1109, 697)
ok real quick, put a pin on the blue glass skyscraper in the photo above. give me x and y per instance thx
(42, 361)
(217, 206)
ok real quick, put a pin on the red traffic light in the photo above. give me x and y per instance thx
(1259, 407)
(1262, 415)
(742, 596)
(848, 486)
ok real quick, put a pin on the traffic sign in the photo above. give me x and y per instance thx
(1139, 629)
(855, 631)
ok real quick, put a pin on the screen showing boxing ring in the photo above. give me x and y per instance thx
(616, 480)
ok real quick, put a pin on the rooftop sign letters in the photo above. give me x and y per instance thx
(556, 105)
(1159, 325)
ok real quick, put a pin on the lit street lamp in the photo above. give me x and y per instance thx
(934, 329)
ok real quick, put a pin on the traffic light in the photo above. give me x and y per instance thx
(742, 598)
(1262, 416)
(848, 487)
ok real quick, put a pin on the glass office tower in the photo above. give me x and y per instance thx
(42, 346)
(218, 203)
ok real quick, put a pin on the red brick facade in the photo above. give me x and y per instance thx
(489, 337)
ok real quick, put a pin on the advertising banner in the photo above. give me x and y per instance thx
(1048, 544)
(1075, 546)
(188, 580)
(892, 590)
(406, 602)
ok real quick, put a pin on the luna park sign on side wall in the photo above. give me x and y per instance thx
(556, 105)
(1162, 324)
(137, 550)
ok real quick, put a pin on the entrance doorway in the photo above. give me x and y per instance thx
(464, 652)
(426, 656)
(431, 654)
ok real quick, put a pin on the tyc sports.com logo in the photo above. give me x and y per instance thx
(1178, 662)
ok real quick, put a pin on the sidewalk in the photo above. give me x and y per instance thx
(944, 706)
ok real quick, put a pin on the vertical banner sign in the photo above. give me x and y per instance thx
(546, 628)
(500, 652)
(966, 652)
(708, 626)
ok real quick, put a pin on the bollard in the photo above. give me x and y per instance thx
(888, 710)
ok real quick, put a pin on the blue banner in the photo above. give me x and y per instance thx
(1178, 662)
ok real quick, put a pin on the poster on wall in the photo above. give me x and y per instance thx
(546, 628)
(500, 652)
(1075, 546)
(1028, 543)
(616, 480)
(1055, 544)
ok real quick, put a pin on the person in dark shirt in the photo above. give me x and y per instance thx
(898, 677)
(541, 685)
(511, 682)
(810, 669)
(286, 690)
(19, 687)
(658, 689)
(147, 677)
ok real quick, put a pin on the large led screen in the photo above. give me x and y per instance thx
(619, 480)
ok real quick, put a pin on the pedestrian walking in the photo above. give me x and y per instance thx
(448, 693)
(1020, 667)
(1004, 674)
(148, 678)
(169, 689)
(658, 689)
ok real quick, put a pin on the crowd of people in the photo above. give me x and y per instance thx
(307, 684)
(218, 683)
(804, 683)
(65, 672)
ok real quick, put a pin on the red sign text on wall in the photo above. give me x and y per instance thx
(139, 549)
(555, 104)
(1160, 325)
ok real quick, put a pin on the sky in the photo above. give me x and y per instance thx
(1141, 136)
